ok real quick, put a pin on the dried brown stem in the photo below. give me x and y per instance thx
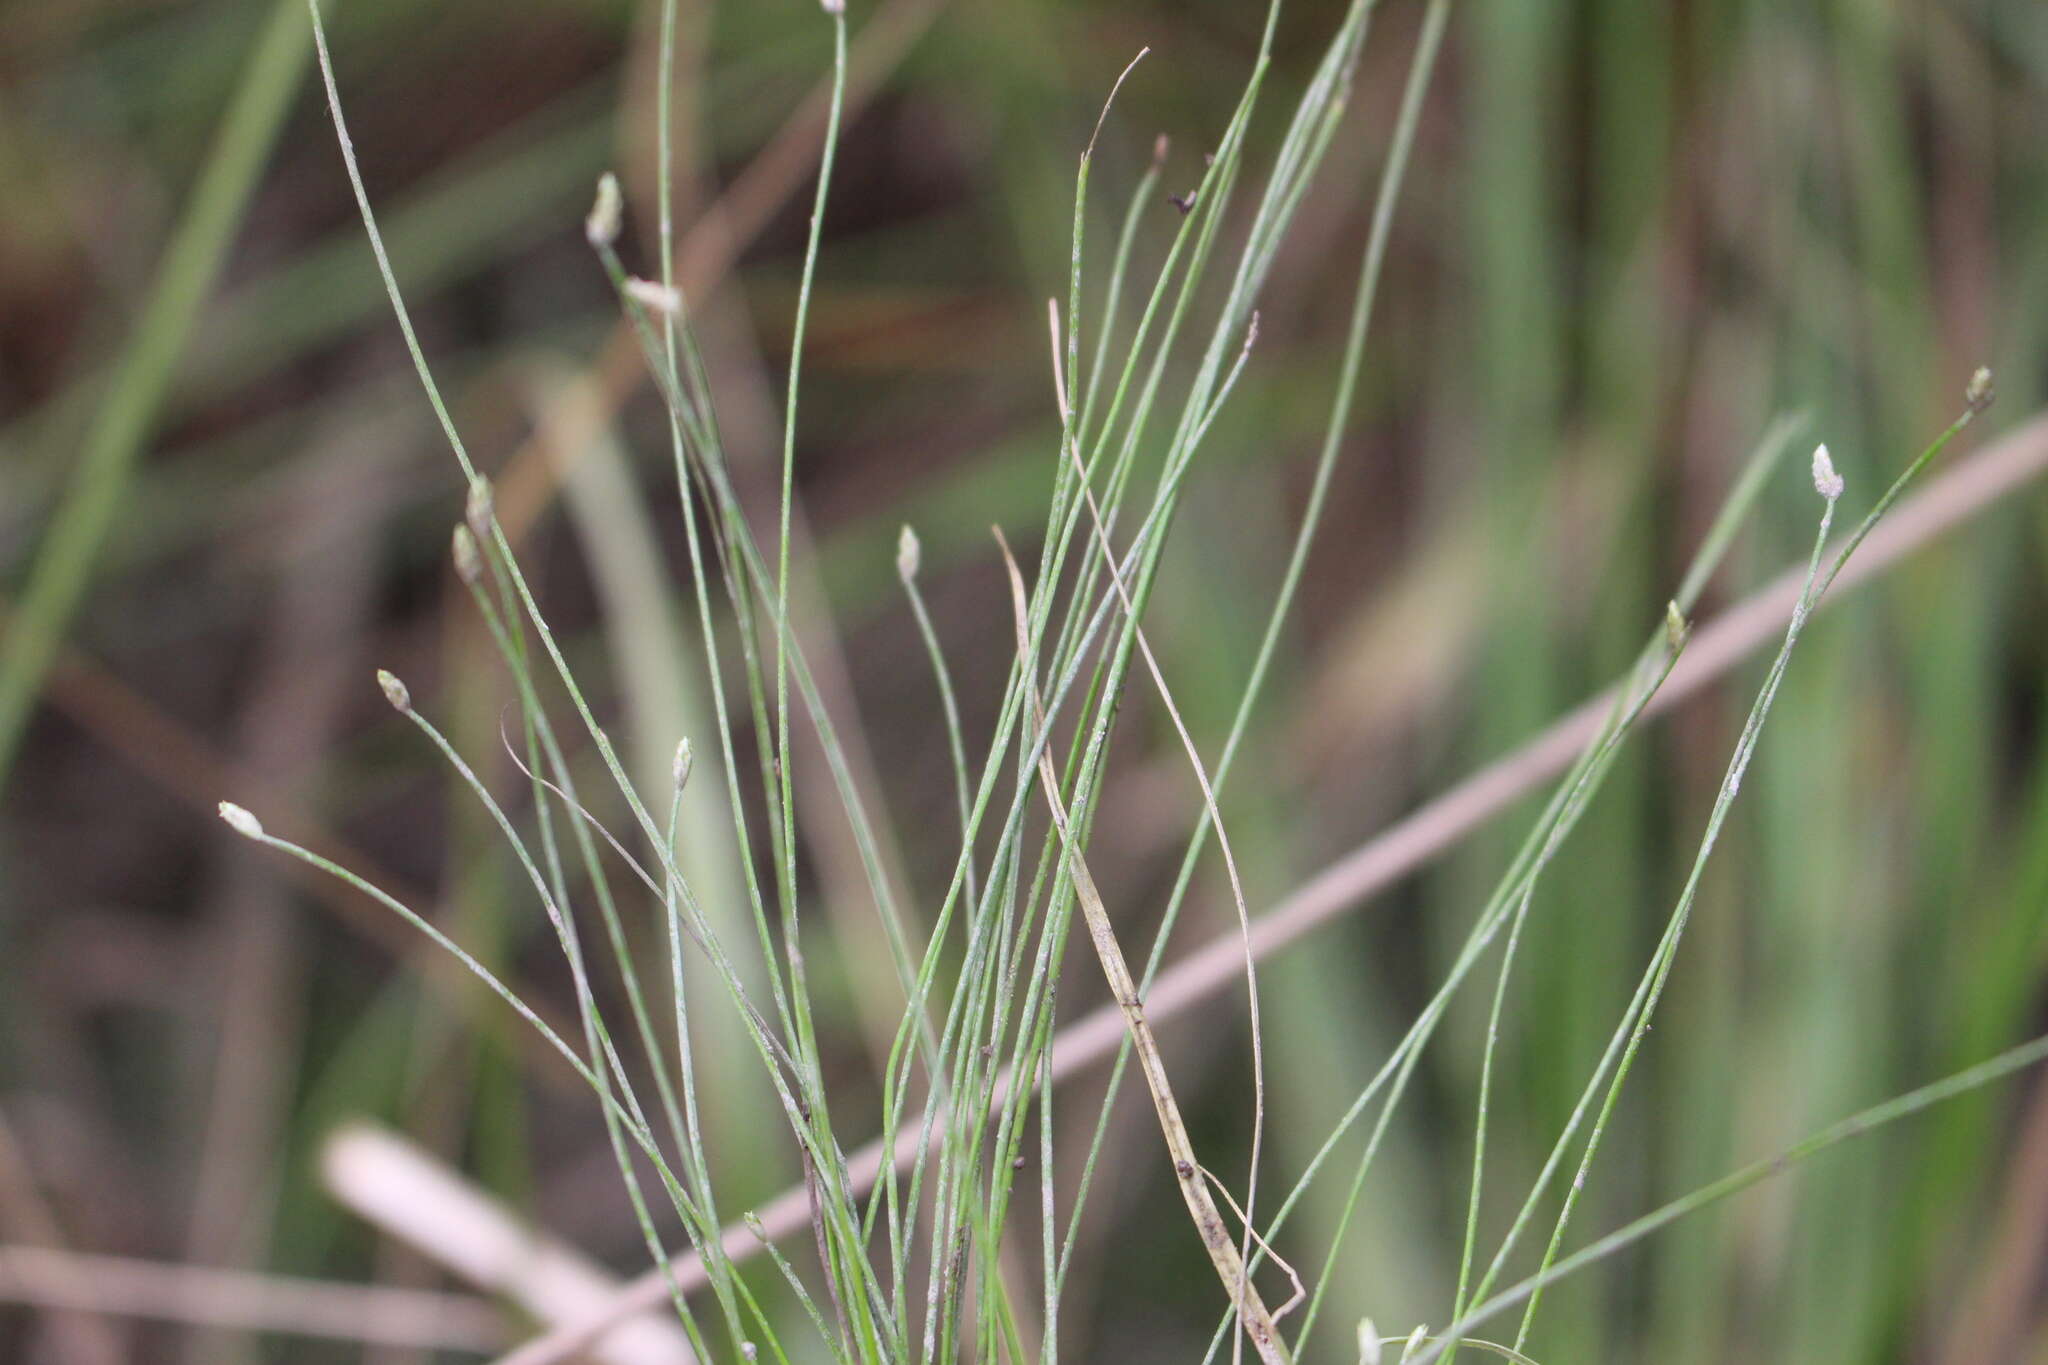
(1244, 917)
(1252, 1312)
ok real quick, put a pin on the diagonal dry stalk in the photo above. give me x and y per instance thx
(1223, 1252)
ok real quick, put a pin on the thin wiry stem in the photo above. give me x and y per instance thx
(785, 782)
(906, 566)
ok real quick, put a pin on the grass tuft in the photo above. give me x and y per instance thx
(924, 1256)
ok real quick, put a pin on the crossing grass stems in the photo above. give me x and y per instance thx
(915, 1271)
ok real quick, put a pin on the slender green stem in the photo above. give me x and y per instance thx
(1857, 1125)
(126, 414)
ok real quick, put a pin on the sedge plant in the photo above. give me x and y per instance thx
(922, 1258)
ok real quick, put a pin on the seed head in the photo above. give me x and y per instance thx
(469, 562)
(477, 511)
(241, 821)
(1982, 392)
(655, 298)
(395, 692)
(680, 769)
(909, 554)
(1826, 481)
(602, 226)
(1368, 1342)
(1675, 628)
(830, 7)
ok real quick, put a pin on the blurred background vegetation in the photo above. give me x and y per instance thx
(1635, 232)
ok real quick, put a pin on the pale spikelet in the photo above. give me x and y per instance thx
(909, 555)
(680, 768)
(1416, 1339)
(477, 511)
(241, 821)
(1982, 392)
(469, 562)
(654, 297)
(395, 692)
(1826, 481)
(602, 226)
(830, 7)
(1368, 1342)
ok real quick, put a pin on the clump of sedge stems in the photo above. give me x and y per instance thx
(908, 1262)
